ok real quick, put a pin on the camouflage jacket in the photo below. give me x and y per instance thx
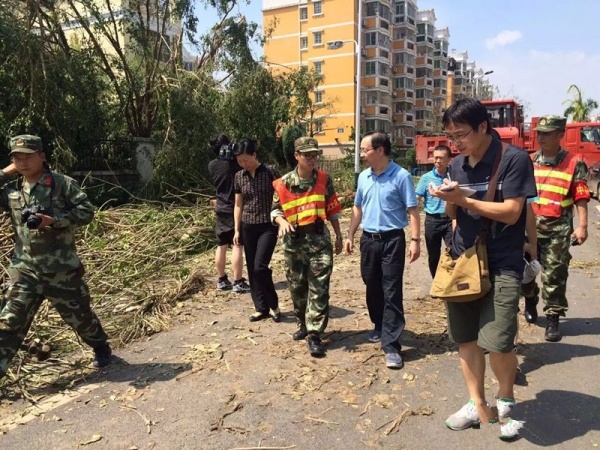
(563, 225)
(52, 249)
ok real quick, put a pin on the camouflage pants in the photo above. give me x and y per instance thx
(67, 292)
(554, 256)
(309, 262)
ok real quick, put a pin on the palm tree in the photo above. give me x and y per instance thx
(578, 109)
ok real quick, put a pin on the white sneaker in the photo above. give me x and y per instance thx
(464, 418)
(505, 406)
(510, 430)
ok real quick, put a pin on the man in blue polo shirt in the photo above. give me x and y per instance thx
(490, 322)
(385, 192)
(438, 225)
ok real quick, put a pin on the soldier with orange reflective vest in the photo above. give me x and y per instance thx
(304, 199)
(560, 177)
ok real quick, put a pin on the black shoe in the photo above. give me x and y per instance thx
(315, 346)
(531, 314)
(259, 316)
(552, 333)
(277, 317)
(301, 334)
(102, 356)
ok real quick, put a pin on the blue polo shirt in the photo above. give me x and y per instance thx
(515, 179)
(384, 198)
(432, 205)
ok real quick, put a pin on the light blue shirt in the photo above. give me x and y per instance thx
(432, 205)
(384, 198)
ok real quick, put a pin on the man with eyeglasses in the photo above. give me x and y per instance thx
(490, 322)
(304, 199)
(384, 194)
(561, 179)
(438, 225)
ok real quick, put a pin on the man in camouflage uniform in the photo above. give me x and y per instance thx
(304, 198)
(561, 179)
(45, 207)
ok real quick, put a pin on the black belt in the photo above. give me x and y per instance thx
(303, 230)
(383, 235)
(437, 216)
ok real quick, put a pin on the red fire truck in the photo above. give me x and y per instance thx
(506, 117)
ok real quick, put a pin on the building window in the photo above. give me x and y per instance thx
(371, 38)
(303, 43)
(319, 126)
(371, 9)
(318, 38)
(370, 125)
(318, 8)
(370, 68)
(318, 65)
(304, 13)
(319, 97)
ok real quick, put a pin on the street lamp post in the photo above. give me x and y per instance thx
(478, 80)
(334, 45)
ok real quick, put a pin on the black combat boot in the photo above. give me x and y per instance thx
(102, 356)
(552, 333)
(315, 346)
(531, 314)
(301, 334)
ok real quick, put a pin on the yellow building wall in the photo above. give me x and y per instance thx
(337, 22)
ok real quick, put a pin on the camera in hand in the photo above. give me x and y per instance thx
(574, 241)
(29, 218)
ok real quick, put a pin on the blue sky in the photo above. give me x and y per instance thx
(536, 48)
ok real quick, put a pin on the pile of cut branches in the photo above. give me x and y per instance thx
(139, 263)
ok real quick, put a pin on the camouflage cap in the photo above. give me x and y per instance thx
(306, 144)
(551, 123)
(25, 143)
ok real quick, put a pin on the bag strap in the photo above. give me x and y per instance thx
(489, 196)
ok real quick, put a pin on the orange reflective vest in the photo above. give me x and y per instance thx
(553, 186)
(305, 207)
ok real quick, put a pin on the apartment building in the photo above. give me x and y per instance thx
(404, 70)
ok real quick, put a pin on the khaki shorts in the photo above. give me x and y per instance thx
(491, 320)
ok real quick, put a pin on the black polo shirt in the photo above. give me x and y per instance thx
(515, 179)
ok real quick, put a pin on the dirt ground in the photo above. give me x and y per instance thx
(217, 381)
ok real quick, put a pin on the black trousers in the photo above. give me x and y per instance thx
(436, 229)
(259, 243)
(382, 270)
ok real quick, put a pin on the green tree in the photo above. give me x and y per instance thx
(309, 107)
(288, 137)
(255, 105)
(577, 108)
(60, 96)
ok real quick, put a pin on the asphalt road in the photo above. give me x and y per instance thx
(216, 382)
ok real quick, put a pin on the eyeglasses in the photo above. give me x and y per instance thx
(366, 150)
(460, 137)
(310, 155)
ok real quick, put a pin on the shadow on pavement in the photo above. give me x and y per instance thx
(141, 375)
(414, 346)
(580, 327)
(556, 417)
(545, 353)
